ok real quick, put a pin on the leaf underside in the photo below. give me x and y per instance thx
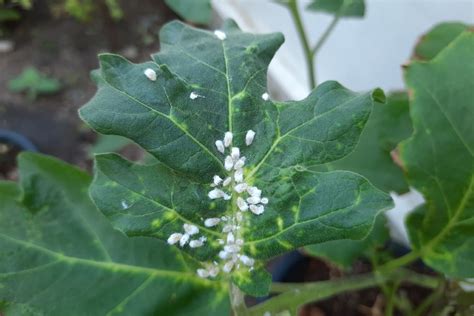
(439, 157)
(60, 256)
(229, 76)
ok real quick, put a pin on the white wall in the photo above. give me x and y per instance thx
(361, 53)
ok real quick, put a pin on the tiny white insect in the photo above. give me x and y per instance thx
(253, 200)
(196, 243)
(265, 96)
(228, 163)
(254, 191)
(184, 240)
(213, 271)
(247, 261)
(235, 153)
(230, 238)
(124, 205)
(239, 177)
(239, 163)
(239, 241)
(190, 229)
(257, 209)
(227, 181)
(232, 248)
(243, 206)
(220, 146)
(220, 35)
(174, 238)
(193, 96)
(264, 200)
(228, 136)
(216, 180)
(150, 74)
(227, 228)
(211, 222)
(203, 273)
(224, 255)
(249, 137)
(228, 266)
(215, 194)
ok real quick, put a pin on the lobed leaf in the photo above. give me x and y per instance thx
(388, 125)
(437, 39)
(59, 255)
(197, 11)
(206, 86)
(439, 157)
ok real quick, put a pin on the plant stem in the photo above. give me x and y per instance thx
(325, 35)
(300, 294)
(295, 14)
(427, 302)
(297, 294)
(237, 300)
(399, 262)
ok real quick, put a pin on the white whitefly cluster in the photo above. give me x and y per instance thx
(183, 239)
(247, 199)
(150, 74)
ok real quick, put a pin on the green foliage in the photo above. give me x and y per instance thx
(388, 125)
(60, 256)
(438, 158)
(437, 39)
(196, 11)
(343, 8)
(9, 15)
(344, 253)
(230, 78)
(108, 143)
(34, 83)
(83, 10)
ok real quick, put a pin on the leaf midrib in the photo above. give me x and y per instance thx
(110, 266)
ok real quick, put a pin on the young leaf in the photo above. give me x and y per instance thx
(34, 83)
(437, 39)
(344, 8)
(344, 253)
(388, 125)
(200, 86)
(196, 11)
(59, 256)
(439, 157)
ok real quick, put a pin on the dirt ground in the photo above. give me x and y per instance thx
(67, 50)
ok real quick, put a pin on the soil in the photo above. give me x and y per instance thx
(66, 49)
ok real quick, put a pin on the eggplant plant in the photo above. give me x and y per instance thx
(238, 179)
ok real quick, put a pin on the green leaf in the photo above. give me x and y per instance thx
(229, 79)
(59, 256)
(439, 157)
(387, 126)
(344, 8)
(344, 253)
(108, 143)
(34, 83)
(437, 39)
(197, 11)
